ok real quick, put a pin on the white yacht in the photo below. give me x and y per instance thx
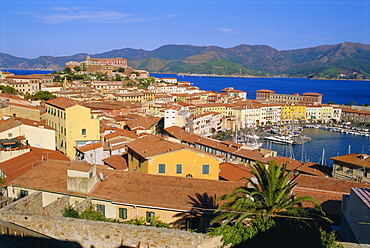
(281, 139)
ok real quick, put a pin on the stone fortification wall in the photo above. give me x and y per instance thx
(80, 207)
(56, 208)
(29, 213)
(31, 204)
(103, 234)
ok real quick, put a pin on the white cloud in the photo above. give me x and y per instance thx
(228, 30)
(62, 15)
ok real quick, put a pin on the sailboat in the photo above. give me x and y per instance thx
(251, 138)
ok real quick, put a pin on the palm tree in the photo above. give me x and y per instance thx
(269, 197)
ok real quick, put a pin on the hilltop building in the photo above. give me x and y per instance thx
(91, 65)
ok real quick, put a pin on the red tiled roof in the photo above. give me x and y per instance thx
(17, 166)
(355, 159)
(89, 147)
(151, 145)
(146, 122)
(181, 134)
(254, 155)
(62, 102)
(117, 162)
(233, 172)
(120, 186)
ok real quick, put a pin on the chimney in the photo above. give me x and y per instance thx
(81, 177)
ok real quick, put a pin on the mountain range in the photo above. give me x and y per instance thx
(347, 59)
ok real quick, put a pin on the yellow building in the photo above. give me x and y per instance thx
(73, 124)
(326, 113)
(225, 109)
(290, 113)
(153, 155)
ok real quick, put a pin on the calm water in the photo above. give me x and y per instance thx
(28, 72)
(334, 143)
(337, 91)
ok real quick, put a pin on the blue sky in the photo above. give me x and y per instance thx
(31, 28)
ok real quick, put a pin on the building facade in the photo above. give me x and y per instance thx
(73, 124)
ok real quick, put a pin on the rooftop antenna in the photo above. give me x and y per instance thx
(101, 176)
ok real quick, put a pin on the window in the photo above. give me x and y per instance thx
(179, 169)
(23, 193)
(83, 131)
(149, 216)
(100, 208)
(205, 169)
(161, 168)
(123, 213)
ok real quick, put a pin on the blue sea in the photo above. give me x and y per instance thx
(337, 91)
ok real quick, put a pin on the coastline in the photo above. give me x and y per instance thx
(211, 75)
(251, 76)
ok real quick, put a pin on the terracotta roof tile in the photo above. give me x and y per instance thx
(146, 122)
(355, 159)
(131, 187)
(151, 145)
(62, 102)
(233, 172)
(254, 155)
(79, 166)
(17, 166)
(181, 134)
(117, 162)
(89, 147)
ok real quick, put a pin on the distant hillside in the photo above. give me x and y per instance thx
(345, 60)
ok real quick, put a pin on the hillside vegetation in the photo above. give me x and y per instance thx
(340, 61)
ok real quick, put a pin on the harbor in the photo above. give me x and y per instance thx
(325, 142)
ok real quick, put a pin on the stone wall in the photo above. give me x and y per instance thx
(4, 201)
(90, 233)
(56, 208)
(29, 213)
(31, 204)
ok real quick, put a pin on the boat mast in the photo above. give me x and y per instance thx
(323, 162)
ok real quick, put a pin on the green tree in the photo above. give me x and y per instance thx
(43, 95)
(8, 90)
(256, 209)
(351, 104)
(71, 212)
(118, 77)
(67, 70)
(90, 213)
(77, 68)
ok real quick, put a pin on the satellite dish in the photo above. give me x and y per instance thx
(101, 176)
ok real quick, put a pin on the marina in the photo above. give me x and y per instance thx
(324, 144)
